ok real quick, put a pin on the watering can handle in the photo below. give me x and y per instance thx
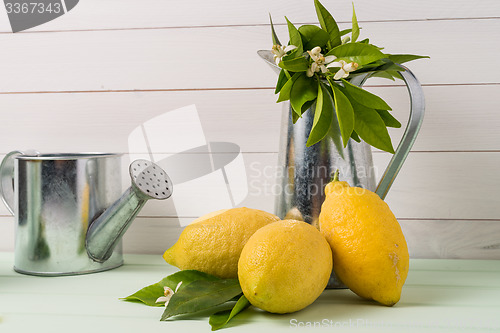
(417, 109)
(7, 177)
(7, 180)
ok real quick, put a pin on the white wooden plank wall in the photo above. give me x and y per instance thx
(86, 80)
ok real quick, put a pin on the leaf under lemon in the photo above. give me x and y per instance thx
(148, 295)
(220, 319)
(201, 295)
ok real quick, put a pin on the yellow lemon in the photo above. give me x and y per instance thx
(213, 243)
(370, 254)
(285, 266)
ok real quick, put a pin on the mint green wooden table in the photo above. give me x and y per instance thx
(439, 296)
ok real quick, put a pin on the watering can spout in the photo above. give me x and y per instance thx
(149, 181)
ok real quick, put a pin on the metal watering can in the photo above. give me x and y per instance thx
(70, 214)
(304, 171)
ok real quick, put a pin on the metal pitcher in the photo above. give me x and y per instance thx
(70, 213)
(304, 171)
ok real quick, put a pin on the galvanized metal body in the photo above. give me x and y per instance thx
(69, 211)
(56, 197)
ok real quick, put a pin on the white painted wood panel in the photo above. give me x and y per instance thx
(201, 58)
(457, 118)
(448, 185)
(447, 195)
(451, 185)
(453, 239)
(104, 121)
(446, 239)
(133, 14)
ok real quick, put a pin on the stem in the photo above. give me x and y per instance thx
(335, 177)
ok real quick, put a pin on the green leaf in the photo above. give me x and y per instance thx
(345, 113)
(328, 24)
(336, 136)
(357, 52)
(364, 97)
(276, 41)
(303, 90)
(299, 64)
(295, 117)
(384, 75)
(282, 79)
(345, 32)
(323, 115)
(388, 119)
(371, 128)
(402, 58)
(287, 88)
(220, 319)
(295, 39)
(313, 36)
(148, 295)
(355, 137)
(201, 295)
(186, 277)
(355, 26)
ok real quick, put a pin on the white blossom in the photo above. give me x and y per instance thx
(319, 61)
(168, 293)
(345, 68)
(279, 51)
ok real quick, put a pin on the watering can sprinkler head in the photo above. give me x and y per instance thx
(149, 181)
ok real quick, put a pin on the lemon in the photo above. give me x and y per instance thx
(370, 253)
(284, 266)
(213, 242)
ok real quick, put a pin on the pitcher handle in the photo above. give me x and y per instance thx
(7, 179)
(417, 110)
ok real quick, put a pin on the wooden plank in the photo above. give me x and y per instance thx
(7, 233)
(150, 59)
(451, 185)
(453, 239)
(429, 186)
(248, 118)
(132, 14)
(436, 239)
(468, 110)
